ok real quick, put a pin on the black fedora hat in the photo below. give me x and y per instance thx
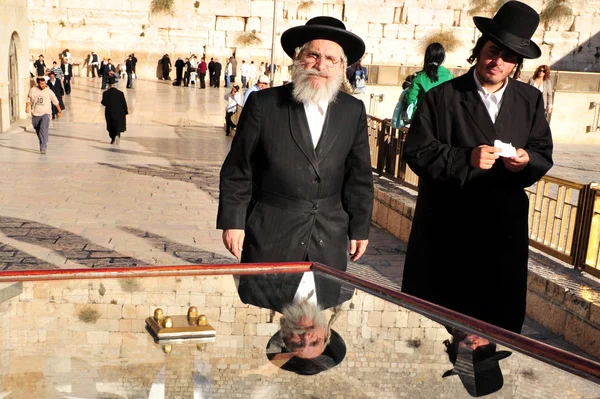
(326, 28)
(481, 376)
(332, 355)
(512, 27)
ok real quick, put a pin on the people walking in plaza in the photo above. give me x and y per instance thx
(129, 71)
(476, 142)
(57, 71)
(106, 69)
(234, 99)
(297, 182)
(541, 81)
(252, 71)
(55, 85)
(211, 72)
(40, 66)
(40, 100)
(115, 111)
(179, 65)
(233, 73)
(432, 75)
(261, 84)
(202, 73)
(228, 72)
(166, 66)
(67, 71)
(94, 63)
(217, 74)
(244, 74)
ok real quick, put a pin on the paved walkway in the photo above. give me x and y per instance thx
(152, 200)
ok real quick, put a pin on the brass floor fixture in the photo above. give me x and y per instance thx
(181, 329)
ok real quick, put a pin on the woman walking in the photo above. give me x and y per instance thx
(541, 81)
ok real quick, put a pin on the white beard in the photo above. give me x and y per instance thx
(304, 89)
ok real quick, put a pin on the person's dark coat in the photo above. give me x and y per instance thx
(468, 246)
(106, 69)
(134, 61)
(275, 291)
(179, 64)
(58, 90)
(296, 202)
(129, 66)
(115, 110)
(68, 67)
(217, 69)
(40, 67)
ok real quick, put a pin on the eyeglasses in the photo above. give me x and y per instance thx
(311, 57)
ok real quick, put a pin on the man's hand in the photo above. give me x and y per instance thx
(234, 241)
(484, 156)
(357, 248)
(58, 114)
(516, 164)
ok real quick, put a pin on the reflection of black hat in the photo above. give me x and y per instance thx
(513, 26)
(326, 28)
(333, 355)
(482, 376)
(111, 80)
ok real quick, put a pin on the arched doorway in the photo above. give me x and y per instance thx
(13, 79)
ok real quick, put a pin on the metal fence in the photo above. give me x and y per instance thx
(564, 217)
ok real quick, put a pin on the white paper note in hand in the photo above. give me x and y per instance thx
(507, 149)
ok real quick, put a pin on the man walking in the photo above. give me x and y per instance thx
(217, 74)
(297, 182)
(55, 85)
(106, 69)
(94, 63)
(468, 246)
(179, 65)
(129, 71)
(40, 100)
(40, 66)
(244, 73)
(234, 100)
(67, 71)
(115, 111)
(211, 72)
(202, 73)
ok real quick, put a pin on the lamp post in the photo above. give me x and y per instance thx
(272, 67)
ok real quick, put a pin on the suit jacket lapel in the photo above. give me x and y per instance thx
(472, 103)
(330, 130)
(301, 133)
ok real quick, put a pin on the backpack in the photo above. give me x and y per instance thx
(402, 113)
(359, 79)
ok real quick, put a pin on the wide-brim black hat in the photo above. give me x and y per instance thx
(325, 28)
(333, 355)
(512, 27)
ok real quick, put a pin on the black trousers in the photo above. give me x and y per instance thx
(166, 74)
(179, 74)
(95, 71)
(202, 77)
(211, 79)
(186, 79)
(67, 84)
(216, 80)
(228, 122)
(129, 80)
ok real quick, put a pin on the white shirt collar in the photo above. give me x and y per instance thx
(321, 106)
(497, 95)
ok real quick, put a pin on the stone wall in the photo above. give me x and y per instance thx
(13, 21)
(394, 30)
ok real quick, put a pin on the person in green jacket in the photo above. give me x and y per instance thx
(433, 74)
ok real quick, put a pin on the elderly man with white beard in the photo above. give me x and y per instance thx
(297, 183)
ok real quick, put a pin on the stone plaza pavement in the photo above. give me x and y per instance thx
(152, 200)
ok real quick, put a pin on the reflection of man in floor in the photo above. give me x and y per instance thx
(476, 362)
(306, 343)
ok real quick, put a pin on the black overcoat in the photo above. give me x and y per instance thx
(115, 110)
(468, 245)
(296, 202)
(58, 90)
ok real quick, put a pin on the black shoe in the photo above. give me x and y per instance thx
(112, 141)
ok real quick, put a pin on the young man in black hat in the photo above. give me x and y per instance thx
(297, 183)
(115, 111)
(476, 142)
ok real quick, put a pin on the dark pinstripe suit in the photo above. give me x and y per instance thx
(296, 202)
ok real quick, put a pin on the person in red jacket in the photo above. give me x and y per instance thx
(202, 73)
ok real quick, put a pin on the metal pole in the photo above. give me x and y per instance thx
(271, 67)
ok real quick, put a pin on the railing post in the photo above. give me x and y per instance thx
(583, 223)
(382, 149)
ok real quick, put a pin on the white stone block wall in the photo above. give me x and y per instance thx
(394, 30)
